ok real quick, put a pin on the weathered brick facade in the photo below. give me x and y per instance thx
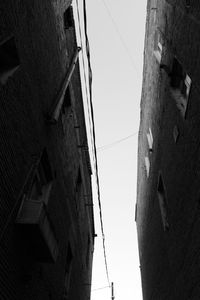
(42, 49)
(168, 207)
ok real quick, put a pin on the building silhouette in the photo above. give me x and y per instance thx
(168, 191)
(46, 208)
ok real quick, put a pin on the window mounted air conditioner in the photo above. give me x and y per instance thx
(35, 225)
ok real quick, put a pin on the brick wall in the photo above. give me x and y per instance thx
(26, 99)
(170, 258)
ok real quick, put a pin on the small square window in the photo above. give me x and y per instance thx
(9, 59)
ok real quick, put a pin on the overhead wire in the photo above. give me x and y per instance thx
(85, 77)
(108, 146)
(92, 127)
(120, 36)
(102, 288)
(95, 150)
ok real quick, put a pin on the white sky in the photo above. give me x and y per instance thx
(116, 37)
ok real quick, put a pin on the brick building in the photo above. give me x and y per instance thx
(46, 212)
(168, 191)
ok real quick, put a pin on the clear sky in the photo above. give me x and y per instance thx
(116, 36)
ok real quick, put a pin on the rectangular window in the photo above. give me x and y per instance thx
(33, 219)
(68, 18)
(42, 181)
(88, 251)
(175, 133)
(163, 203)
(158, 48)
(154, 10)
(136, 212)
(147, 165)
(180, 86)
(9, 59)
(78, 190)
(150, 140)
(68, 268)
(66, 108)
(187, 3)
(67, 101)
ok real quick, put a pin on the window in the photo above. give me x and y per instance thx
(88, 251)
(9, 59)
(154, 9)
(42, 181)
(33, 219)
(67, 101)
(68, 268)
(158, 47)
(78, 190)
(147, 165)
(66, 110)
(180, 86)
(150, 140)
(153, 4)
(187, 3)
(68, 18)
(175, 133)
(135, 212)
(163, 203)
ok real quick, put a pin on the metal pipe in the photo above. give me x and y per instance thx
(60, 99)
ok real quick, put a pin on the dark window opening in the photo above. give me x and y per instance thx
(136, 212)
(67, 101)
(177, 74)
(68, 18)
(69, 259)
(42, 180)
(78, 190)
(163, 203)
(45, 167)
(180, 83)
(187, 3)
(9, 59)
(68, 268)
(33, 218)
(180, 79)
(79, 179)
(88, 252)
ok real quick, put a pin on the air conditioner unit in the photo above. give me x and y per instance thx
(35, 225)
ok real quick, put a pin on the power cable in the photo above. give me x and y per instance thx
(108, 146)
(102, 288)
(85, 80)
(95, 150)
(92, 128)
(120, 36)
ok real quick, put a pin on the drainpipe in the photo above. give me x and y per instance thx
(60, 98)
